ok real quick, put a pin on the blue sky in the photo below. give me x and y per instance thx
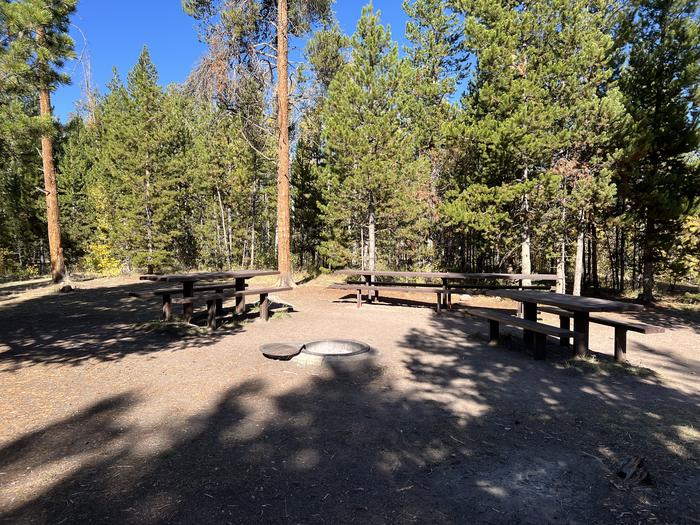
(116, 31)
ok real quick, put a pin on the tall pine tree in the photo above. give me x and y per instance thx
(371, 177)
(661, 84)
(250, 37)
(36, 47)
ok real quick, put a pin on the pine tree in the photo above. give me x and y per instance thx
(138, 175)
(370, 174)
(22, 224)
(37, 44)
(242, 39)
(661, 84)
(326, 55)
(436, 62)
(508, 116)
(540, 98)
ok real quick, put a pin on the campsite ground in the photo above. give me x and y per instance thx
(105, 417)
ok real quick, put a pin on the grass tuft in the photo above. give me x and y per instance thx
(591, 364)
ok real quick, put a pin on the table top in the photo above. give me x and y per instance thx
(454, 275)
(572, 303)
(207, 276)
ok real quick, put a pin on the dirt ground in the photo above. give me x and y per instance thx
(106, 418)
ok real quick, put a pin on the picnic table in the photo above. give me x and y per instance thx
(451, 282)
(188, 281)
(581, 308)
(446, 277)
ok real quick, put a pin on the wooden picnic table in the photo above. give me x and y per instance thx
(447, 276)
(188, 281)
(581, 307)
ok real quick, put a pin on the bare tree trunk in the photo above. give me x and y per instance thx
(252, 245)
(622, 256)
(561, 269)
(371, 239)
(648, 264)
(362, 247)
(284, 261)
(525, 260)
(594, 257)
(227, 247)
(578, 269)
(58, 267)
(561, 264)
(149, 221)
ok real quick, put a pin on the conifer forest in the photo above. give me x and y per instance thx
(558, 136)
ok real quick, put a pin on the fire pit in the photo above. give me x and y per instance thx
(335, 348)
(337, 353)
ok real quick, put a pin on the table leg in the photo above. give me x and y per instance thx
(621, 344)
(167, 308)
(581, 323)
(370, 293)
(493, 332)
(530, 314)
(565, 323)
(211, 315)
(520, 305)
(220, 303)
(445, 283)
(264, 307)
(187, 308)
(240, 301)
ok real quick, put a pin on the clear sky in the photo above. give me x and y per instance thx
(116, 31)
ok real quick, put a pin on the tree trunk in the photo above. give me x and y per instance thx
(363, 251)
(149, 221)
(561, 270)
(594, 258)
(372, 240)
(648, 264)
(525, 261)
(227, 248)
(622, 256)
(58, 268)
(578, 269)
(284, 261)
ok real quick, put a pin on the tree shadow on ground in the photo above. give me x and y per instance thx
(12, 288)
(671, 318)
(387, 301)
(93, 323)
(471, 434)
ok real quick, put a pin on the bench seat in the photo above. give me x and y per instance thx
(151, 294)
(380, 286)
(360, 287)
(214, 301)
(541, 331)
(621, 328)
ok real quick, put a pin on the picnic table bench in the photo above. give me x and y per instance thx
(541, 330)
(212, 294)
(621, 328)
(580, 309)
(450, 282)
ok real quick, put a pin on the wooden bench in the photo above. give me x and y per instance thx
(150, 294)
(621, 328)
(444, 291)
(214, 301)
(541, 331)
(167, 294)
(360, 287)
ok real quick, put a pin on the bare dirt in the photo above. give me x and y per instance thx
(105, 419)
